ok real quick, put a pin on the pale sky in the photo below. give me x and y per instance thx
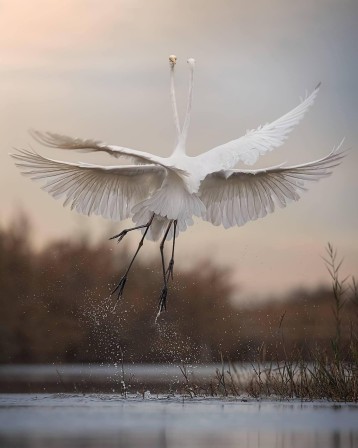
(99, 69)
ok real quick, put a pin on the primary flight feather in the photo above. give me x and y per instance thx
(163, 194)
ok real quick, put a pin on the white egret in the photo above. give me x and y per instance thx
(163, 194)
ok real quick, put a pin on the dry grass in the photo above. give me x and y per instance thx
(330, 375)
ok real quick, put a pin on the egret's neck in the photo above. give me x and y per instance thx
(184, 133)
(182, 138)
(180, 148)
(174, 103)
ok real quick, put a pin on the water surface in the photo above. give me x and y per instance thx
(109, 420)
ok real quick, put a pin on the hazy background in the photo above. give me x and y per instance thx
(99, 69)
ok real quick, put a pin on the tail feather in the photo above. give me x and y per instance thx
(169, 203)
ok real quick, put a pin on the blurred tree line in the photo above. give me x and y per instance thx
(56, 308)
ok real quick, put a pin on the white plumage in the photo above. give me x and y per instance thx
(174, 189)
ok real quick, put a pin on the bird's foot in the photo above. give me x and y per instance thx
(163, 300)
(120, 236)
(170, 271)
(120, 287)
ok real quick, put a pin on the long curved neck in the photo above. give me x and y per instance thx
(174, 103)
(184, 133)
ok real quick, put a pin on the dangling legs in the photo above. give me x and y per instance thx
(122, 281)
(171, 262)
(124, 232)
(164, 293)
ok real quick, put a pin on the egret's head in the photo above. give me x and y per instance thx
(191, 62)
(172, 60)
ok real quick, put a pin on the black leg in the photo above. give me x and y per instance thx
(122, 281)
(169, 272)
(164, 293)
(124, 232)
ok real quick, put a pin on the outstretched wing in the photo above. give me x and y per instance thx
(107, 191)
(74, 143)
(249, 147)
(234, 197)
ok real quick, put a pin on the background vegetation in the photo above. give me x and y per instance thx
(55, 307)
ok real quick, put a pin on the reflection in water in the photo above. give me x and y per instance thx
(39, 421)
(166, 439)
